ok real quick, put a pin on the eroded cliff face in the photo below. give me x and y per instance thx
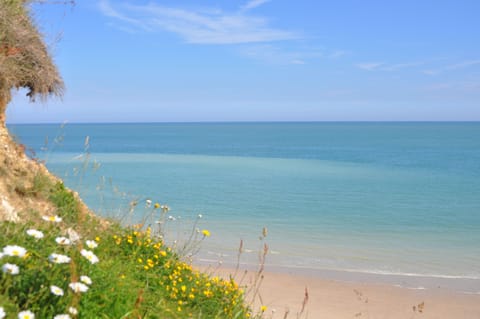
(25, 183)
(18, 176)
(3, 109)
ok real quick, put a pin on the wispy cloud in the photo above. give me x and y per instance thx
(462, 65)
(337, 54)
(369, 66)
(452, 67)
(110, 12)
(462, 86)
(382, 66)
(198, 26)
(275, 54)
(399, 66)
(253, 4)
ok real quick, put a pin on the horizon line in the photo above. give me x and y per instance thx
(244, 122)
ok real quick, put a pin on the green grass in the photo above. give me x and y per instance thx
(136, 276)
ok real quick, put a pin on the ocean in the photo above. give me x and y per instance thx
(398, 202)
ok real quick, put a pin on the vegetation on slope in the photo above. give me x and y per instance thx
(73, 264)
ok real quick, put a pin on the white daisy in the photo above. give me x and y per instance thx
(78, 287)
(63, 241)
(59, 259)
(63, 316)
(57, 291)
(86, 280)
(73, 310)
(10, 269)
(2, 313)
(91, 244)
(14, 250)
(53, 219)
(89, 255)
(27, 314)
(35, 233)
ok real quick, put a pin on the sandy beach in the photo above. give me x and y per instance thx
(285, 292)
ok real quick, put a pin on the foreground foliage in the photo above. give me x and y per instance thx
(71, 265)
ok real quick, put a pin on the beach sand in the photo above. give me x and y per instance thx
(282, 292)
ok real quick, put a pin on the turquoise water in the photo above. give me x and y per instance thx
(382, 198)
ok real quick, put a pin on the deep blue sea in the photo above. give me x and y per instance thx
(375, 198)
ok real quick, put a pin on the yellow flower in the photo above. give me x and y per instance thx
(157, 205)
(263, 308)
(206, 233)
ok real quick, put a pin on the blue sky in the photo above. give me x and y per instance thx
(260, 60)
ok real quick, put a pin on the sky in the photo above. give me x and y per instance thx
(260, 60)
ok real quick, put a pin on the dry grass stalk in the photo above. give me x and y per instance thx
(24, 58)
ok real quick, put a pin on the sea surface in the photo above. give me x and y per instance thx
(389, 200)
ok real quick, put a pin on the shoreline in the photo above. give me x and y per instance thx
(454, 284)
(333, 298)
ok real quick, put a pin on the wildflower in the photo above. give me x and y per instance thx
(148, 203)
(10, 269)
(35, 233)
(78, 287)
(59, 259)
(26, 315)
(63, 241)
(62, 316)
(13, 250)
(157, 205)
(165, 208)
(205, 233)
(2, 313)
(91, 244)
(171, 218)
(57, 291)
(263, 308)
(73, 311)
(200, 216)
(86, 280)
(53, 219)
(92, 258)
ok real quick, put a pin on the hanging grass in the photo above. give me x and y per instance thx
(24, 58)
